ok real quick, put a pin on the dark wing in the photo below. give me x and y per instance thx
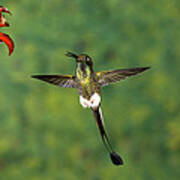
(108, 77)
(66, 81)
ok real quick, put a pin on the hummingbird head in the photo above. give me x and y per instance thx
(81, 58)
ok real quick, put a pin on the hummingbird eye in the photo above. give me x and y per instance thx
(87, 58)
(89, 61)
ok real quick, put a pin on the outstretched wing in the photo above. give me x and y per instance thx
(66, 81)
(108, 77)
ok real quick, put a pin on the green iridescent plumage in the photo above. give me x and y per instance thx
(87, 78)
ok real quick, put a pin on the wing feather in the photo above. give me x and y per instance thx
(108, 77)
(66, 81)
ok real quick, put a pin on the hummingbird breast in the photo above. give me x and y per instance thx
(87, 87)
(89, 92)
(85, 80)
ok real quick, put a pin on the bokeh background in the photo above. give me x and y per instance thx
(45, 133)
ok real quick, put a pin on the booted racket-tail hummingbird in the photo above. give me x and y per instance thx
(88, 84)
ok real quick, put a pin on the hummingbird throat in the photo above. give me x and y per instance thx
(83, 71)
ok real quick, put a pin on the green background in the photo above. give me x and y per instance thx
(45, 133)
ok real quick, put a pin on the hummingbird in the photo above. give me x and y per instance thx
(88, 84)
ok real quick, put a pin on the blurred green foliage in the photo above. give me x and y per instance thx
(46, 134)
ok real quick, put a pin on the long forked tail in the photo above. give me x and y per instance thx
(115, 158)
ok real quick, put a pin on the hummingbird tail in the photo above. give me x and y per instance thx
(115, 158)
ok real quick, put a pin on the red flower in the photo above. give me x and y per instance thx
(4, 37)
(3, 22)
(8, 41)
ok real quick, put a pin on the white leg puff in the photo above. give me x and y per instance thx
(92, 103)
(84, 102)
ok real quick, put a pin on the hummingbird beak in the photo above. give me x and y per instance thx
(70, 54)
